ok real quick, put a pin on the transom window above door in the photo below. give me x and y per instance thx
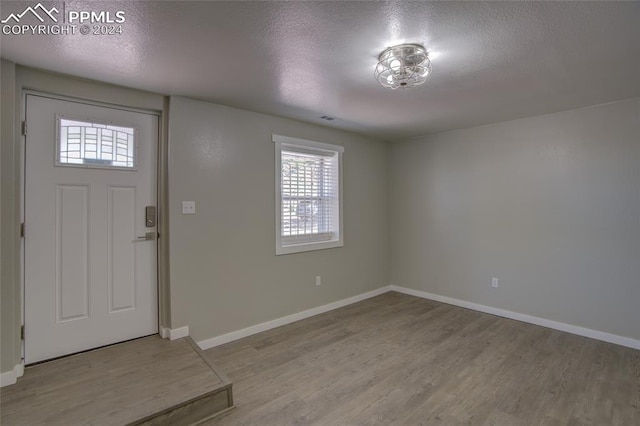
(88, 144)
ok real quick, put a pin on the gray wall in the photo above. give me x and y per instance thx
(550, 205)
(225, 275)
(10, 350)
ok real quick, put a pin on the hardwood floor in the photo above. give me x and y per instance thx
(401, 360)
(144, 381)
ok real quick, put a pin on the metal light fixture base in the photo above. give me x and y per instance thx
(403, 66)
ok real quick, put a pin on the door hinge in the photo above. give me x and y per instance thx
(24, 128)
(22, 230)
(22, 332)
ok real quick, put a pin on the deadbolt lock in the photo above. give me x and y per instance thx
(150, 216)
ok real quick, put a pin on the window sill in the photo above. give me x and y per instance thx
(299, 248)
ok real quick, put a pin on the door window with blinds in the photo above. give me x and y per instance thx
(308, 195)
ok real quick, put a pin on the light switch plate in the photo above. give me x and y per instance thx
(188, 207)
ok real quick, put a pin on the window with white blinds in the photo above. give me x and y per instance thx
(308, 195)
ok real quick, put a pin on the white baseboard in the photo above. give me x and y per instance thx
(249, 331)
(174, 333)
(573, 329)
(11, 377)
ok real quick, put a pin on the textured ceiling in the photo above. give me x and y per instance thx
(492, 61)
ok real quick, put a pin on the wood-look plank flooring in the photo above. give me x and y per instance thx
(115, 385)
(401, 360)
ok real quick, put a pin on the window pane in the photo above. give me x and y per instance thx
(307, 193)
(95, 144)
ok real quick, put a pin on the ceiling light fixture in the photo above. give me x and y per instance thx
(404, 65)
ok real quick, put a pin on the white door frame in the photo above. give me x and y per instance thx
(158, 181)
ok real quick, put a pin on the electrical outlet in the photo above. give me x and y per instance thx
(318, 280)
(494, 282)
(188, 207)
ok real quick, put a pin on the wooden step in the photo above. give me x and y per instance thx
(147, 381)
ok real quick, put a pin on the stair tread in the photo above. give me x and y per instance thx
(115, 385)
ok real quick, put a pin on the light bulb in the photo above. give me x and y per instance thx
(405, 65)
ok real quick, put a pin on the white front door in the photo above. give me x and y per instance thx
(90, 280)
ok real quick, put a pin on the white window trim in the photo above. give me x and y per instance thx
(283, 141)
